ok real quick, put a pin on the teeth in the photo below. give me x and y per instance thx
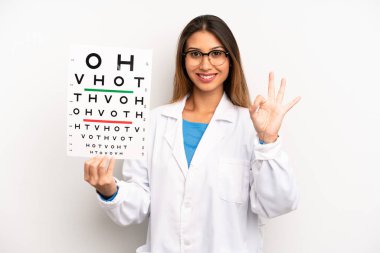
(207, 77)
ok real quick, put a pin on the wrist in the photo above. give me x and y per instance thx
(108, 191)
(266, 138)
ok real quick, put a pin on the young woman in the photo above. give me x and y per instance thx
(214, 167)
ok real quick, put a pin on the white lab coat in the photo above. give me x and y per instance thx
(214, 206)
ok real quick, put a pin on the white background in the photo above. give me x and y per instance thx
(328, 51)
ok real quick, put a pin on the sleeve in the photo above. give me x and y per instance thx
(108, 198)
(132, 201)
(273, 189)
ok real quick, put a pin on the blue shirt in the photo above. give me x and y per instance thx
(192, 134)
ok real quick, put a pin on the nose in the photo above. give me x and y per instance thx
(205, 63)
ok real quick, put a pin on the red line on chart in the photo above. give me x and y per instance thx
(107, 121)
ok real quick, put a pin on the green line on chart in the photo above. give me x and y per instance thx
(103, 90)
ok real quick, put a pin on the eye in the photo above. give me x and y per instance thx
(216, 53)
(195, 54)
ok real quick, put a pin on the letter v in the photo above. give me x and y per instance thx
(108, 99)
(79, 80)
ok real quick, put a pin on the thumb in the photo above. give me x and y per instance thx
(253, 108)
(259, 100)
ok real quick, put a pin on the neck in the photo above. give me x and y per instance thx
(204, 102)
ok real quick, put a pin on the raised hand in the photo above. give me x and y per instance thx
(98, 172)
(267, 115)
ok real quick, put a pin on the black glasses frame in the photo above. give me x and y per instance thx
(208, 54)
(203, 54)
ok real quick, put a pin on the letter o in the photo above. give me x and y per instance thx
(88, 61)
(115, 81)
(76, 111)
(125, 99)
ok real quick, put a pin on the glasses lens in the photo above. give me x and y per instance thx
(217, 57)
(194, 58)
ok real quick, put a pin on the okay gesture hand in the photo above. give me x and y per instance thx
(267, 115)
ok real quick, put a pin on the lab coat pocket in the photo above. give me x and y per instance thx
(233, 180)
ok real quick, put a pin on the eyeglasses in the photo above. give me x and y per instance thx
(216, 57)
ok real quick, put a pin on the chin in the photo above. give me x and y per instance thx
(208, 88)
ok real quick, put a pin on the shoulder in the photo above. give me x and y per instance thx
(242, 114)
(241, 110)
(244, 122)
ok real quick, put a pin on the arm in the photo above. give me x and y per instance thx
(132, 202)
(273, 189)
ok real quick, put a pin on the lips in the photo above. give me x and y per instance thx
(206, 78)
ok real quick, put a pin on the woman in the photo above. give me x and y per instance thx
(214, 167)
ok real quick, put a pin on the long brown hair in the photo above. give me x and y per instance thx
(235, 85)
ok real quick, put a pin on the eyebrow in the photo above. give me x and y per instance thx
(194, 48)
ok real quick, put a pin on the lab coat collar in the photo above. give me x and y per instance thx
(224, 111)
(219, 126)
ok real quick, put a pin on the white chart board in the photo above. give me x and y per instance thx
(108, 101)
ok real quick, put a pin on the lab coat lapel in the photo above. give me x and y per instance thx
(174, 134)
(220, 125)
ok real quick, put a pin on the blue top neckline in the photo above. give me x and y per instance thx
(195, 123)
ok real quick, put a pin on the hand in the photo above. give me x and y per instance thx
(99, 176)
(267, 115)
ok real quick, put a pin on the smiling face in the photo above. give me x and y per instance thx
(206, 77)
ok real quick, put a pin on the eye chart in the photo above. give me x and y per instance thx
(108, 100)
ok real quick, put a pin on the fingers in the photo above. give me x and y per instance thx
(292, 103)
(98, 172)
(111, 166)
(102, 169)
(97, 168)
(87, 166)
(86, 171)
(271, 93)
(259, 100)
(93, 170)
(281, 91)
